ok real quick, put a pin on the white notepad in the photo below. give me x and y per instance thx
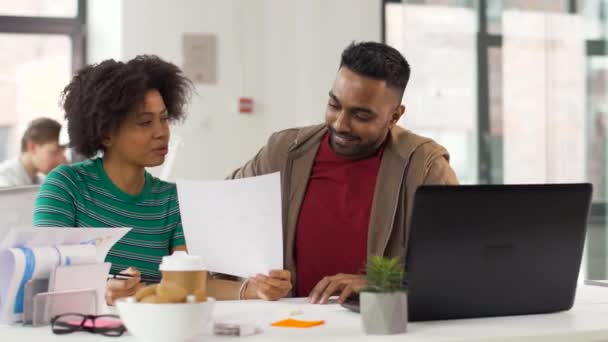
(81, 277)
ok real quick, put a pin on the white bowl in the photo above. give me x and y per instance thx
(152, 322)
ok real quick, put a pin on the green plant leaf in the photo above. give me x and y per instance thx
(385, 274)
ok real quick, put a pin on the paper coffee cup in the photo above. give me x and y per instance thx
(186, 271)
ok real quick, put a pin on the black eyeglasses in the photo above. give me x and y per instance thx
(107, 325)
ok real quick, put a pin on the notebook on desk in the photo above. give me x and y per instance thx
(494, 250)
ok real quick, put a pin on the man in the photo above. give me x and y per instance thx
(40, 153)
(348, 185)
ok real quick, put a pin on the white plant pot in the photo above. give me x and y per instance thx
(383, 313)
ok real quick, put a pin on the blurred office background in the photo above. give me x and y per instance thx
(517, 90)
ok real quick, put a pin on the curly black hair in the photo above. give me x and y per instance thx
(100, 97)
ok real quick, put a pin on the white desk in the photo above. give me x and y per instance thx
(587, 321)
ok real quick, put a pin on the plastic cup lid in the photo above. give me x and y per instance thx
(182, 261)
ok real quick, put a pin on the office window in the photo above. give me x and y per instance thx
(597, 164)
(543, 101)
(595, 13)
(448, 3)
(4, 131)
(441, 99)
(42, 43)
(541, 91)
(39, 8)
(597, 121)
(496, 9)
(493, 136)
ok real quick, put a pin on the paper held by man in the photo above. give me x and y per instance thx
(234, 225)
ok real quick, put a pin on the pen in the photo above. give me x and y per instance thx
(144, 279)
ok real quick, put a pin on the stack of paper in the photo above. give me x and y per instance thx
(27, 254)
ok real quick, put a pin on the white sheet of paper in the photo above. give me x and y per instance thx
(234, 225)
(102, 238)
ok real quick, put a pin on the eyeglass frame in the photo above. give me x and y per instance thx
(109, 332)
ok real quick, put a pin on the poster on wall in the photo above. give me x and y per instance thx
(199, 55)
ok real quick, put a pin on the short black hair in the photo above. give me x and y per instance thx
(100, 96)
(379, 61)
(41, 131)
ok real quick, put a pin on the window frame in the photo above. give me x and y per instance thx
(74, 27)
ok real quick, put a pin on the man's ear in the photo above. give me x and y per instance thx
(30, 146)
(107, 142)
(397, 114)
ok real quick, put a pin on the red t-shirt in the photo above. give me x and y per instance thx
(331, 235)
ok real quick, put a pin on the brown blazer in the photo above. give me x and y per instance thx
(408, 161)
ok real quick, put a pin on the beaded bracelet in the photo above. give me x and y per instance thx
(243, 289)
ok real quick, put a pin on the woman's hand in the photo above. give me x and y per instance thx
(274, 286)
(119, 288)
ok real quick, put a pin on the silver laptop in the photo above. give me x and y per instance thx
(17, 207)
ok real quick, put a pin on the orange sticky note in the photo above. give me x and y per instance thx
(294, 323)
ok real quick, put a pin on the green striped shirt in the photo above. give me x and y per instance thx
(82, 195)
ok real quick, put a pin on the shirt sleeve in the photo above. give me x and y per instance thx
(55, 205)
(178, 238)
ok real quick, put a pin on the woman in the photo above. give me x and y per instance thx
(119, 114)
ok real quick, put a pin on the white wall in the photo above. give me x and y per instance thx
(283, 53)
(104, 30)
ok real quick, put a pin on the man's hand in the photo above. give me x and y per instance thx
(342, 284)
(274, 286)
(119, 288)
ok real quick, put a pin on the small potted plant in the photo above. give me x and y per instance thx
(383, 303)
